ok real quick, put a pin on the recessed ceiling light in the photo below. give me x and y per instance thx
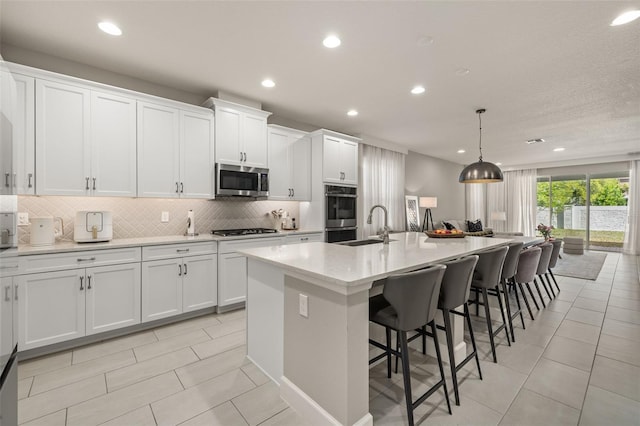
(461, 72)
(417, 90)
(110, 28)
(625, 18)
(352, 113)
(268, 83)
(461, 151)
(558, 149)
(331, 41)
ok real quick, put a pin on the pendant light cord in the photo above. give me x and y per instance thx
(480, 111)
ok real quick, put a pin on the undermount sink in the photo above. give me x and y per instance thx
(357, 243)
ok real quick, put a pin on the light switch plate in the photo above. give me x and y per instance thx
(23, 218)
(304, 305)
(164, 217)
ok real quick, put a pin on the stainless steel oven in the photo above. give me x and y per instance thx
(341, 213)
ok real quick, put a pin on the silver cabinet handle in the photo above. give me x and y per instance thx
(7, 298)
(89, 282)
(86, 186)
(94, 184)
(181, 187)
(29, 184)
(304, 239)
(177, 188)
(240, 155)
(182, 250)
(90, 259)
(245, 156)
(185, 268)
(6, 180)
(81, 283)
(179, 270)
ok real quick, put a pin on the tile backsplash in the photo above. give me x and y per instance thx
(140, 217)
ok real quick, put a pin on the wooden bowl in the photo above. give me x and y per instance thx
(432, 234)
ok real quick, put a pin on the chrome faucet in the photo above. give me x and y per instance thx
(385, 232)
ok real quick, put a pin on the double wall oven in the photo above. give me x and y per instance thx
(340, 214)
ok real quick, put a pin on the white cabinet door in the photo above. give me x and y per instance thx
(332, 161)
(158, 151)
(232, 278)
(254, 138)
(112, 297)
(51, 307)
(199, 282)
(196, 155)
(349, 162)
(24, 135)
(161, 289)
(62, 135)
(6, 316)
(113, 145)
(228, 133)
(279, 165)
(300, 169)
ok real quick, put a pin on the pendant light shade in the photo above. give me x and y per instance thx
(481, 171)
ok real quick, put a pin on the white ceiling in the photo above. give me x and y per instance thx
(552, 70)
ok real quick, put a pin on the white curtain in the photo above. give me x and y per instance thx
(517, 197)
(381, 182)
(475, 205)
(632, 233)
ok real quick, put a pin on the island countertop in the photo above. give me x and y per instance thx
(346, 266)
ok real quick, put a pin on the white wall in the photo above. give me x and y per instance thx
(432, 177)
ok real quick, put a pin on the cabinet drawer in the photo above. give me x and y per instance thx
(305, 238)
(78, 259)
(231, 246)
(168, 251)
(9, 267)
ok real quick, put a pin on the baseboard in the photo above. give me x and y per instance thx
(309, 410)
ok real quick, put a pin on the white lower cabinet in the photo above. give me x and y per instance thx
(232, 268)
(64, 305)
(305, 238)
(182, 279)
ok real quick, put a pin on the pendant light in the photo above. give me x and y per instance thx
(481, 171)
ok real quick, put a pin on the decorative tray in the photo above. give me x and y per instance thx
(432, 234)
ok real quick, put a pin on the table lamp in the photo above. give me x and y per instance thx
(428, 203)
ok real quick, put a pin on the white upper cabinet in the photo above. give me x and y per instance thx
(240, 133)
(113, 145)
(158, 151)
(24, 135)
(340, 161)
(196, 154)
(289, 164)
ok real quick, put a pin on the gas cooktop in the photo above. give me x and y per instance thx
(249, 231)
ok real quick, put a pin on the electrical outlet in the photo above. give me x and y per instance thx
(164, 217)
(304, 305)
(23, 219)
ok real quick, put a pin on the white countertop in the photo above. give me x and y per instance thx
(70, 246)
(351, 266)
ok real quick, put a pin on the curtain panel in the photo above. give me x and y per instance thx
(632, 231)
(516, 196)
(381, 182)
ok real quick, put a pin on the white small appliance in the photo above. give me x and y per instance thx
(43, 232)
(92, 227)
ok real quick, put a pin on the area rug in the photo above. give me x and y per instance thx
(586, 266)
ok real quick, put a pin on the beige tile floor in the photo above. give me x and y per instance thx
(577, 363)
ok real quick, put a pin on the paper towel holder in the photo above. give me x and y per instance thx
(191, 228)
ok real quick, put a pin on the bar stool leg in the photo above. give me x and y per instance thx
(388, 333)
(506, 301)
(544, 284)
(515, 290)
(535, 302)
(539, 293)
(554, 280)
(526, 301)
(404, 355)
(485, 298)
(504, 320)
(452, 360)
(546, 276)
(473, 339)
(444, 381)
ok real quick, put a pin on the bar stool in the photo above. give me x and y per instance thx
(409, 301)
(454, 292)
(508, 272)
(487, 275)
(525, 273)
(543, 265)
(555, 254)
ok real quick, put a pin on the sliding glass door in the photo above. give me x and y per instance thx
(592, 207)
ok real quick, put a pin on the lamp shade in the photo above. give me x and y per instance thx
(429, 202)
(498, 215)
(481, 172)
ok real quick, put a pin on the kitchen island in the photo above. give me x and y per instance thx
(308, 316)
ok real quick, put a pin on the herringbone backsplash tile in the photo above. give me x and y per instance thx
(140, 217)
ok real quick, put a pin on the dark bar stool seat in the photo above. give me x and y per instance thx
(454, 292)
(408, 302)
(487, 275)
(525, 273)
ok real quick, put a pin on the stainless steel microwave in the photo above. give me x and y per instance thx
(241, 181)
